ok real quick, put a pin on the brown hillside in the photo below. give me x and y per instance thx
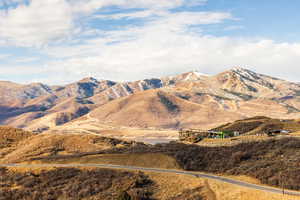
(157, 108)
(181, 108)
(10, 136)
(234, 94)
(59, 144)
(59, 114)
(264, 160)
(16, 95)
(259, 125)
(71, 183)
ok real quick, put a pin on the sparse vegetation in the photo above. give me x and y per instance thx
(56, 144)
(241, 126)
(273, 162)
(71, 183)
(261, 160)
(65, 117)
(193, 194)
(259, 125)
(215, 96)
(11, 136)
(264, 160)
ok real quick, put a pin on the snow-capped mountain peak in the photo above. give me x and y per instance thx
(191, 76)
(89, 79)
(197, 73)
(246, 74)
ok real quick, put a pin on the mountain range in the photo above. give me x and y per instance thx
(189, 100)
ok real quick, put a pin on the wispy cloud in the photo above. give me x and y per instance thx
(234, 27)
(26, 59)
(131, 39)
(36, 24)
(132, 15)
(4, 56)
(41, 22)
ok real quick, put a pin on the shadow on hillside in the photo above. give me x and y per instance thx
(9, 112)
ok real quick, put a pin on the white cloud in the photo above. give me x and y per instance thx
(26, 59)
(18, 71)
(43, 21)
(173, 53)
(157, 29)
(4, 56)
(132, 15)
(165, 44)
(88, 6)
(10, 2)
(233, 27)
(37, 23)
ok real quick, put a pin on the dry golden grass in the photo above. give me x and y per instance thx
(59, 144)
(295, 133)
(36, 170)
(11, 136)
(90, 125)
(152, 160)
(233, 141)
(224, 191)
(147, 109)
(245, 179)
(169, 185)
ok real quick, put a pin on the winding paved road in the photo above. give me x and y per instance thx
(195, 174)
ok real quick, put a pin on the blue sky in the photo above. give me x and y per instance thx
(60, 41)
(277, 20)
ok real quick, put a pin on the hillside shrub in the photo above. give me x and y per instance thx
(71, 183)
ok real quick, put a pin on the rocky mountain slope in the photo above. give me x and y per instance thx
(188, 100)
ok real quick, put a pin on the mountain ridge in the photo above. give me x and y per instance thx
(236, 92)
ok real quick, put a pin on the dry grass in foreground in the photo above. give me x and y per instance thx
(105, 184)
(71, 183)
(224, 191)
(155, 160)
(9, 137)
(54, 144)
(264, 160)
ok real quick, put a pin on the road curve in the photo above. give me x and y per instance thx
(195, 174)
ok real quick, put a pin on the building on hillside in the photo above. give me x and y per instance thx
(192, 135)
(196, 135)
(236, 133)
(273, 132)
